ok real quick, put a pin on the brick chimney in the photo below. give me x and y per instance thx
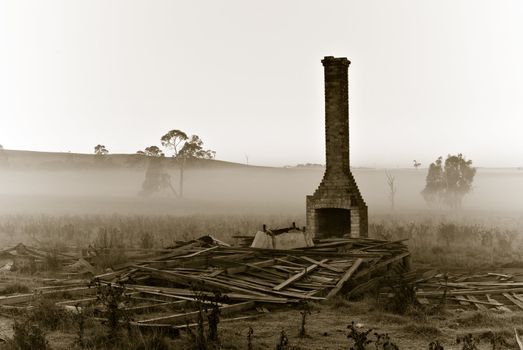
(337, 208)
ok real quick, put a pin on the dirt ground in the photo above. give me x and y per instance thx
(327, 327)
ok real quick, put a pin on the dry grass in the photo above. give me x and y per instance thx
(444, 243)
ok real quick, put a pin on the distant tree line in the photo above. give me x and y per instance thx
(183, 147)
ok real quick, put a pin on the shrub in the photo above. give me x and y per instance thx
(48, 315)
(111, 297)
(29, 336)
(360, 339)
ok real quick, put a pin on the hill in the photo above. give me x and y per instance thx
(33, 160)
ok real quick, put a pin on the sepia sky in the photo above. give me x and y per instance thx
(427, 77)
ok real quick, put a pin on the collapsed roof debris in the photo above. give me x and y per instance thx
(163, 284)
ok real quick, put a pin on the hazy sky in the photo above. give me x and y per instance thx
(427, 78)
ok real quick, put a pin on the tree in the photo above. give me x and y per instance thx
(156, 178)
(193, 148)
(174, 140)
(152, 151)
(416, 164)
(391, 181)
(185, 147)
(100, 150)
(449, 182)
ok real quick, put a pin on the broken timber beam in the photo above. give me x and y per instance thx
(468, 292)
(23, 298)
(224, 310)
(325, 266)
(345, 278)
(298, 275)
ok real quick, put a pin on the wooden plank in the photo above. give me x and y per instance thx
(186, 279)
(382, 264)
(469, 292)
(513, 300)
(518, 339)
(298, 275)
(23, 298)
(384, 244)
(189, 316)
(285, 261)
(286, 293)
(365, 286)
(500, 306)
(196, 253)
(76, 302)
(325, 266)
(169, 327)
(178, 293)
(244, 267)
(517, 296)
(216, 273)
(468, 301)
(476, 302)
(156, 305)
(345, 278)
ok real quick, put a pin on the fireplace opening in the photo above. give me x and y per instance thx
(332, 222)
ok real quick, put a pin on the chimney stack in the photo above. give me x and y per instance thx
(336, 116)
(336, 208)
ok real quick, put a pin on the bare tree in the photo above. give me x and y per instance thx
(416, 164)
(391, 181)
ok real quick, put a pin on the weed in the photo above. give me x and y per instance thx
(435, 345)
(360, 339)
(468, 341)
(250, 334)
(48, 315)
(154, 341)
(208, 305)
(403, 294)
(29, 336)
(80, 318)
(304, 312)
(496, 340)
(383, 342)
(213, 316)
(112, 297)
(283, 342)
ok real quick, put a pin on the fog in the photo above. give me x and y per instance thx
(231, 189)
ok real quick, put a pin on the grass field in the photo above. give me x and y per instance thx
(71, 206)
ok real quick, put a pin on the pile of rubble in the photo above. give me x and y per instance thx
(164, 285)
(494, 291)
